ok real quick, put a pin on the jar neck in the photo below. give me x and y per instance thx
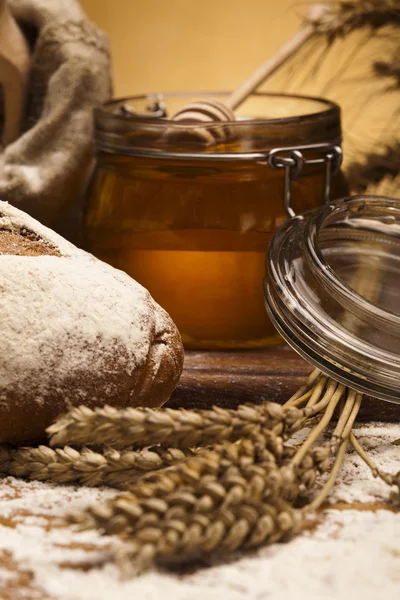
(268, 121)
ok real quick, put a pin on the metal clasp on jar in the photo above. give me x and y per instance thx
(292, 160)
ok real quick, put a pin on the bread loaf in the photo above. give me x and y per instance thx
(73, 331)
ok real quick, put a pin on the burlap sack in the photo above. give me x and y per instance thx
(44, 171)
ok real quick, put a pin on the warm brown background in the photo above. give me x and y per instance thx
(161, 45)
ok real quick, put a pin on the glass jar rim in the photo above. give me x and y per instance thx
(314, 224)
(119, 129)
(301, 284)
(107, 109)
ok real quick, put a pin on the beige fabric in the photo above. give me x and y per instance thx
(43, 172)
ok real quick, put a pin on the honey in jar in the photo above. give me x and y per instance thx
(191, 221)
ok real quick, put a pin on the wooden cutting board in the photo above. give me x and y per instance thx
(228, 378)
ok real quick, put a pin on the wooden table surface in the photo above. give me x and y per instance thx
(228, 378)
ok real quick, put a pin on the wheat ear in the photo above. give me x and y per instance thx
(140, 427)
(110, 467)
(213, 500)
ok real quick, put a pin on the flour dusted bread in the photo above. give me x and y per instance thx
(73, 331)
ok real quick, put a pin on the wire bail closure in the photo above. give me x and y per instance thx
(292, 160)
(289, 158)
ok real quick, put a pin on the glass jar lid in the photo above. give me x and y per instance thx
(332, 289)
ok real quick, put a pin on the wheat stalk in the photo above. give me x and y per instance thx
(238, 495)
(379, 173)
(388, 478)
(141, 427)
(343, 17)
(213, 503)
(138, 427)
(120, 468)
(390, 69)
(197, 475)
(338, 20)
(67, 465)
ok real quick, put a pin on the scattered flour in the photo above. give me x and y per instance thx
(351, 555)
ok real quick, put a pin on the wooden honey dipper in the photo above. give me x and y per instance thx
(209, 111)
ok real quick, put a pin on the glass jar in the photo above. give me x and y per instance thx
(189, 210)
(333, 287)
